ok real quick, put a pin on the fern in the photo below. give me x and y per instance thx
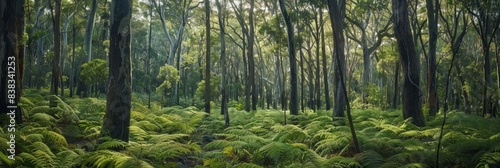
(64, 159)
(55, 138)
(113, 144)
(166, 137)
(369, 158)
(489, 159)
(341, 162)
(106, 158)
(137, 134)
(147, 126)
(333, 143)
(43, 119)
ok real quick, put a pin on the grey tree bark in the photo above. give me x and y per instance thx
(118, 102)
(409, 60)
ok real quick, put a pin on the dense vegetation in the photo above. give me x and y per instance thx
(68, 136)
(249, 83)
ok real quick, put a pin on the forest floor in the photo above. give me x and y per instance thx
(67, 136)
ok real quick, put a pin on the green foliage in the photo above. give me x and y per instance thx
(94, 72)
(169, 75)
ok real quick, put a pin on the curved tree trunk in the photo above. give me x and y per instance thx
(409, 60)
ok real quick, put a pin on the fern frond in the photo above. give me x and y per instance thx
(64, 159)
(43, 159)
(341, 162)
(166, 137)
(247, 165)
(56, 138)
(220, 144)
(5, 161)
(137, 133)
(332, 145)
(369, 158)
(114, 144)
(414, 165)
(147, 126)
(43, 119)
(489, 159)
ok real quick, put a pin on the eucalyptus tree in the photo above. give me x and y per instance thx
(89, 30)
(336, 9)
(410, 62)
(371, 19)
(207, 57)
(118, 102)
(294, 107)
(486, 21)
(432, 23)
(11, 55)
(455, 25)
(223, 62)
(56, 67)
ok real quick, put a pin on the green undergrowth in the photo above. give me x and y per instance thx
(68, 135)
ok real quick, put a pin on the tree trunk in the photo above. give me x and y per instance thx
(11, 58)
(396, 86)
(336, 18)
(411, 66)
(323, 55)
(207, 57)
(251, 62)
(317, 75)
(118, 102)
(432, 18)
(56, 71)
(223, 110)
(294, 109)
(89, 29)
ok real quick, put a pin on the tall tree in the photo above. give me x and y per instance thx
(294, 104)
(207, 57)
(410, 62)
(251, 59)
(118, 102)
(360, 18)
(432, 22)
(336, 9)
(89, 29)
(324, 60)
(223, 109)
(11, 55)
(486, 21)
(56, 69)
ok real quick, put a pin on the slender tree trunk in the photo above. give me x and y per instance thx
(118, 102)
(409, 59)
(207, 57)
(317, 75)
(223, 110)
(89, 29)
(56, 71)
(294, 109)
(148, 59)
(251, 62)
(323, 55)
(432, 18)
(73, 66)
